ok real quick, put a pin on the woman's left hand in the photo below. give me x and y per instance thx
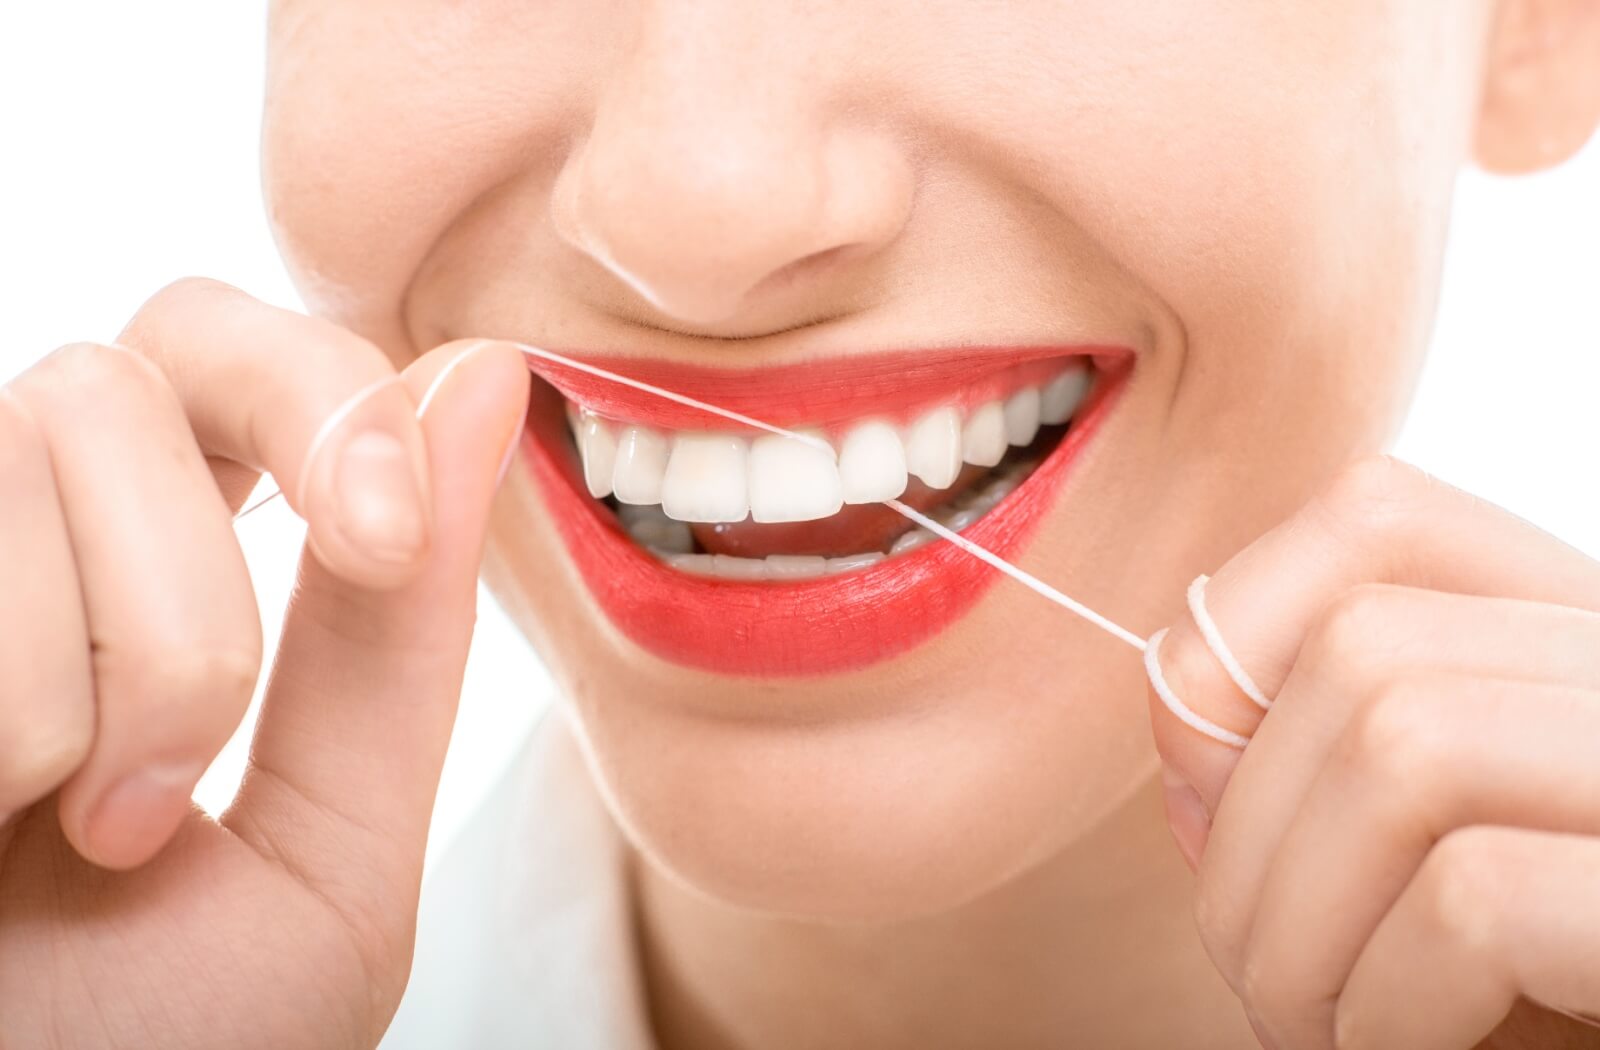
(1407, 853)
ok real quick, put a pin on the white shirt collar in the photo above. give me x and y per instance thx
(525, 937)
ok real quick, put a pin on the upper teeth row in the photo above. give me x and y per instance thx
(724, 477)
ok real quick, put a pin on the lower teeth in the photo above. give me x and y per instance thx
(673, 542)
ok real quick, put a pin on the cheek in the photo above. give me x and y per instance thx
(1282, 193)
(1276, 177)
(381, 128)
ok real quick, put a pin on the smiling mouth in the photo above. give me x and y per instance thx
(742, 552)
(767, 507)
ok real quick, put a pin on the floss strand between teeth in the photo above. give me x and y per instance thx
(1150, 649)
(1028, 580)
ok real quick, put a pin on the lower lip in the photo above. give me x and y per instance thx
(810, 627)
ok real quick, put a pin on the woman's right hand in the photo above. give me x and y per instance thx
(130, 646)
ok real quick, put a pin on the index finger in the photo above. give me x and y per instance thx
(1382, 522)
(317, 406)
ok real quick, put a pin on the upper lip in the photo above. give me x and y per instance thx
(818, 392)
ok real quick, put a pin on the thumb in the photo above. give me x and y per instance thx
(359, 707)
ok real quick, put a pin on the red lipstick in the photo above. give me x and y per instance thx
(814, 393)
(809, 627)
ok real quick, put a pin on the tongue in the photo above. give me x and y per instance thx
(854, 530)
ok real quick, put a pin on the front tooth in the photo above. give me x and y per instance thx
(706, 478)
(641, 464)
(795, 566)
(729, 567)
(792, 481)
(1022, 416)
(911, 541)
(698, 564)
(933, 447)
(983, 438)
(597, 445)
(962, 520)
(852, 562)
(872, 464)
(1062, 396)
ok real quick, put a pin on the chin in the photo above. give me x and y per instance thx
(940, 795)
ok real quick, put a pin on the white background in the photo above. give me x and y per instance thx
(130, 131)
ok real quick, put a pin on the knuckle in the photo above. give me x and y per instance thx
(1396, 732)
(1377, 496)
(219, 671)
(1461, 884)
(1353, 626)
(1373, 484)
(170, 302)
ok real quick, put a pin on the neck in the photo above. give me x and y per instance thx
(1095, 946)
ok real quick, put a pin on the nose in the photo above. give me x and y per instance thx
(715, 175)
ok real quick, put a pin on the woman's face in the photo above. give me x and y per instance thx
(1231, 214)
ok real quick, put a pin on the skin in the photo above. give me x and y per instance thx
(1252, 196)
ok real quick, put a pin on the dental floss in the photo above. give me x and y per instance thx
(1186, 715)
(1150, 649)
(339, 415)
(671, 395)
(320, 438)
(1218, 647)
(1028, 580)
(342, 412)
(258, 504)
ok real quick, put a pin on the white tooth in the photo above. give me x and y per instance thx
(872, 463)
(983, 436)
(706, 478)
(597, 444)
(910, 541)
(795, 566)
(962, 519)
(1062, 395)
(792, 481)
(641, 464)
(852, 562)
(728, 567)
(698, 564)
(991, 495)
(574, 413)
(933, 447)
(1022, 416)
